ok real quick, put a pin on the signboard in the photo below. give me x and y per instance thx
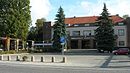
(62, 39)
(62, 43)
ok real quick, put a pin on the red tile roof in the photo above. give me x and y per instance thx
(90, 19)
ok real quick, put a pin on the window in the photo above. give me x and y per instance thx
(87, 32)
(121, 43)
(120, 24)
(121, 32)
(76, 33)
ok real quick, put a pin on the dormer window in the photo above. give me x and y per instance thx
(76, 25)
(67, 24)
(121, 23)
(87, 24)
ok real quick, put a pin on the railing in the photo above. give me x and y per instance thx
(82, 37)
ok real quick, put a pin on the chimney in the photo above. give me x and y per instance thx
(117, 14)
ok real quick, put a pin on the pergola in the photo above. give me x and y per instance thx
(10, 43)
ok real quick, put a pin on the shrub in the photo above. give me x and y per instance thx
(22, 51)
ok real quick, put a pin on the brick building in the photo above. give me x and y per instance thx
(47, 31)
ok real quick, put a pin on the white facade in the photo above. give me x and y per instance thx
(81, 29)
(120, 31)
(122, 37)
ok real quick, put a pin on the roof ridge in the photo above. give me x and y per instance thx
(90, 16)
(81, 16)
(89, 19)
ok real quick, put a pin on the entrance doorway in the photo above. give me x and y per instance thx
(86, 44)
(94, 45)
(74, 44)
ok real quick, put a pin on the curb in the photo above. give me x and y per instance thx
(15, 54)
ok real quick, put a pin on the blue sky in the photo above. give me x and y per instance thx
(48, 8)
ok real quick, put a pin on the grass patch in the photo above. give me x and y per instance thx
(8, 52)
(13, 52)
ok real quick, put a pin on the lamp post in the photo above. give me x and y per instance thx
(62, 48)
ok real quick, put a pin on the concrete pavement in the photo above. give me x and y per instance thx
(71, 60)
(25, 68)
(89, 60)
(79, 61)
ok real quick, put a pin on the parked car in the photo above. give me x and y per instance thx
(104, 50)
(121, 51)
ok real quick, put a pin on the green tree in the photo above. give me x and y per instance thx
(36, 32)
(15, 18)
(39, 29)
(39, 22)
(104, 34)
(59, 30)
(32, 34)
(125, 16)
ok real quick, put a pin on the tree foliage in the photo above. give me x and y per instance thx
(125, 16)
(15, 18)
(59, 29)
(104, 34)
(36, 32)
(32, 34)
(39, 22)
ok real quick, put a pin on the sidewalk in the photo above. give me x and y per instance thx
(76, 58)
(15, 54)
(74, 61)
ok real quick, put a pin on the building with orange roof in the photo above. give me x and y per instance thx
(80, 31)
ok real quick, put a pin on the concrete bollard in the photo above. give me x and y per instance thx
(8, 58)
(1, 57)
(42, 59)
(53, 59)
(17, 58)
(64, 59)
(32, 58)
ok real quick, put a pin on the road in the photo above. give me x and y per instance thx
(97, 63)
(117, 61)
(17, 68)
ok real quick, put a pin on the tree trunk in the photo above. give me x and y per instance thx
(23, 46)
(7, 43)
(17, 45)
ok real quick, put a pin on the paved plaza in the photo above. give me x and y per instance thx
(89, 59)
(74, 64)
(92, 62)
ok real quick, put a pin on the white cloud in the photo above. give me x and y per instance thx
(42, 8)
(39, 9)
(120, 7)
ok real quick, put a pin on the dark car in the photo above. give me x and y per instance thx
(121, 51)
